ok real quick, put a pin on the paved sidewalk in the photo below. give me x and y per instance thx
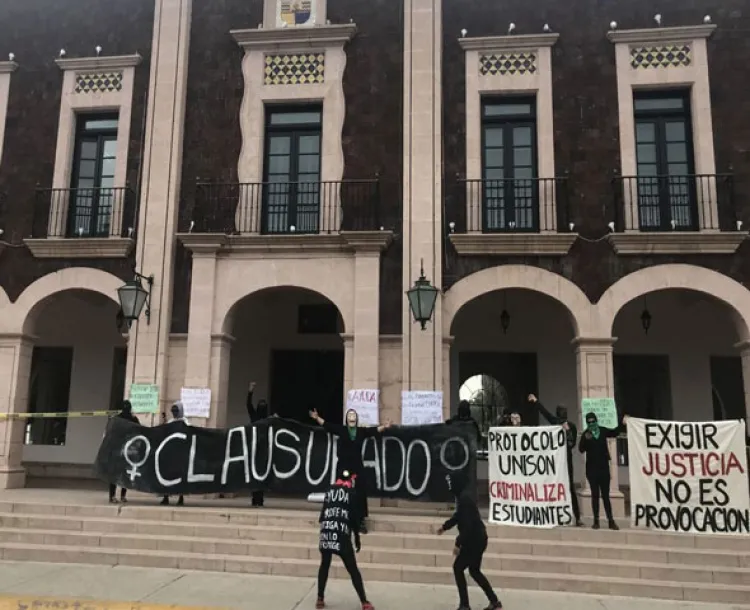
(25, 585)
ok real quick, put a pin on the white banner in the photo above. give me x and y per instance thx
(367, 405)
(528, 468)
(421, 408)
(196, 402)
(688, 477)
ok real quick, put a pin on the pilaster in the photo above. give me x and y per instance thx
(162, 171)
(744, 349)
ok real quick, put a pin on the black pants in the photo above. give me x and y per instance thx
(470, 556)
(360, 497)
(573, 494)
(350, 563)
(257, 498)
(113, 492)
(599, 483)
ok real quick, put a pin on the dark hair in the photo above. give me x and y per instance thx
(591, 417)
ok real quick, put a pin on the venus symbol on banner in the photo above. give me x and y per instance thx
(529, 483)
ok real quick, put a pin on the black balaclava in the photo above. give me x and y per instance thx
(262, 409)
(464, 410)
(562, 412)
(592, 425)
(457, 482)
(127, 408)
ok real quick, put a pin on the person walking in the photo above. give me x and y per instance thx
(178, 414)
(256, 414)
(339, 521)
(571, 432)
(593, 443)
(126, 413)
(349, 451)
(471, 543)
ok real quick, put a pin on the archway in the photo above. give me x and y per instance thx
(78, 363)
(289, 341)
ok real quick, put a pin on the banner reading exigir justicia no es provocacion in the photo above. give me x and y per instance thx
(688, 476)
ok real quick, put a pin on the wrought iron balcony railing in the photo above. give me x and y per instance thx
(275, 208)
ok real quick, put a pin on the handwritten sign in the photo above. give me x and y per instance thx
(529, 483)
(688, 477)
(144, 397)
(196, 402)
(421, 408)
(367, 405)
(605, 410)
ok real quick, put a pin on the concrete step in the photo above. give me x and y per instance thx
(393, 523)
(370, 554)
(143, 534)
(583, 583)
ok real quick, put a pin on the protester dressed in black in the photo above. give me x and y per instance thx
(464, 415)
(339, 521)
(256, 414)
(349, 452)
(561, 419)
(471, 543)
(594, 444)
(125, 413)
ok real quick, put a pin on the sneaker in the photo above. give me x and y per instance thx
(613, 526)
(494, 606)
(320, 603)
(124, 500)
(579, 523)
(363, 528)
(464, 608)
(367, 606)
(113, 500)
(595, 526)
(181, 501)
(165, 501)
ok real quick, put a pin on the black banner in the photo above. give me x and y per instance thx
(281, 455)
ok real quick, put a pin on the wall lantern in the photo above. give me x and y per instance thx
(134, 297)
(422, 297)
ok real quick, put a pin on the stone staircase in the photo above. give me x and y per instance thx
(227, 536)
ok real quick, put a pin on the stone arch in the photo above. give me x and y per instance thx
(224, 311)
(525, 277)
(71, 278)
(676, 277)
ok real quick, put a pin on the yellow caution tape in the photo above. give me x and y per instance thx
(63, 414)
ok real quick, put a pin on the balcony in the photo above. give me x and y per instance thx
(83, 223)
(675, 214)
(521, 216)
(288, 215)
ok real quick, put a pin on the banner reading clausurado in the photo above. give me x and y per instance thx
(282, 455)
(528, 469)
(688, 476)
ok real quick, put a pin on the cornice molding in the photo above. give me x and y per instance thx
(507, 43)
(113, 62)
(315, 36)
(685, 33)
(6, 67)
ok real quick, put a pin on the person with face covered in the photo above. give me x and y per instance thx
(464, 415)
(125, 413)
(178, 414)
(593, 443)
(256, 414)
(571, 431)
(349, 451)
(471, 542)
(339, 521)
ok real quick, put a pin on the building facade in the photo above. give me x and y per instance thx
(575, 179)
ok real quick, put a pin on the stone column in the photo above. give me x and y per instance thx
(366, 319)
(595, 376)
(15, 373)
(162, 172)
(220, 360)
(348, 339)
(422, 207)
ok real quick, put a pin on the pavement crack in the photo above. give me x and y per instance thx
(163, 586)
(304, 597)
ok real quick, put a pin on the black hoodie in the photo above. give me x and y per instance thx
(471, 529)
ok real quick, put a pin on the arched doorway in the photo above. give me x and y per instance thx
(289, 341)
(78, 363)
(488, 400)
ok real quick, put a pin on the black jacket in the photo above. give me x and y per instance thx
(471, 529)
(128, 417)
(467, 419)
(572, 432)
(350, 451)
(597, 451)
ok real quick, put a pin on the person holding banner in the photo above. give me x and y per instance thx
(471, 542)
(593, 443)
(178, 414)
(561, 419)
(349, 452)
(338, 522)
(256, 414)
(125, 413)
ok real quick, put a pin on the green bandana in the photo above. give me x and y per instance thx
(595, 430)
(352, 432)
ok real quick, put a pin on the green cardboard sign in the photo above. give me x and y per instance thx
(144, 397)
(605, 410)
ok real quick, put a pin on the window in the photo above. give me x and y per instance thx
(291, 194)
(92, 196)
(49, 392)
(488, 400)
(509, 166)
(664, 157)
